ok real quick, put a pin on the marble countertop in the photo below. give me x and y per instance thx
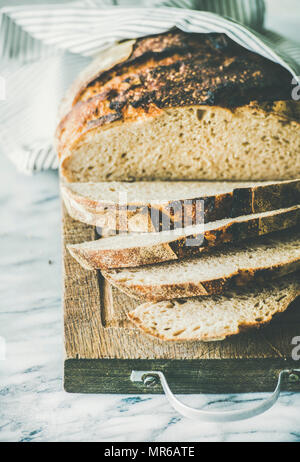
(33, 405)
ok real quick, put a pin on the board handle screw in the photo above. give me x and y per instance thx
(294, 378)
(150, 380)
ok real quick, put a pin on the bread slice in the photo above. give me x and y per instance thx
(157, 206)
(217, 317)
(130, 250)
(181, 106)
(261, 259)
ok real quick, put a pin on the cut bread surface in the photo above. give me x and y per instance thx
(261, 259)
(133, 207)
(216, 317)
(190, 143)
(130, 250)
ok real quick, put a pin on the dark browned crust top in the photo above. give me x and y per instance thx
(207, 69)
(177, 69)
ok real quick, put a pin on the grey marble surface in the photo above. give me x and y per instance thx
(33, 405)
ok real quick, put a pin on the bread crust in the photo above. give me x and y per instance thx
(94, 259)
(216, 286)
(177, 249)
(104, 61)
(136, 215)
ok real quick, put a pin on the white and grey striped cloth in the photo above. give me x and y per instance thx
(43, 49)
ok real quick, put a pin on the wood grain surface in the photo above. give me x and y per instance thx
(101, 346)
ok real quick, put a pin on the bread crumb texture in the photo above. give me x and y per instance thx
(217, 317)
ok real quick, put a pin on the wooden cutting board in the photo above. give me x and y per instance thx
(102, 348)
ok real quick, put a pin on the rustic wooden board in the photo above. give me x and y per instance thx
(101, 346)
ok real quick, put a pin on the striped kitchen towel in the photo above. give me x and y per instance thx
(44, 48)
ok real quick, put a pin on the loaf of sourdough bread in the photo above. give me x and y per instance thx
(217, 317)
(164, 205)
(260, 259)
(180, 106)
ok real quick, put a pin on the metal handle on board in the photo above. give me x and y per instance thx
(150, 378)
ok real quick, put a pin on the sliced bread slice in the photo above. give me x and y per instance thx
(130, 250)
(260, 259)
(133, 206)
(215, 318)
